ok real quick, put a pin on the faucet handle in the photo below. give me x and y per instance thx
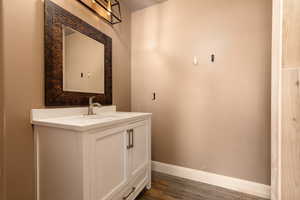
(91, 99)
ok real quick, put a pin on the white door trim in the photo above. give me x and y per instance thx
(276, 100)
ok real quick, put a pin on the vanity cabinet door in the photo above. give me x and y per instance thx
(139, 152)
(109, 163)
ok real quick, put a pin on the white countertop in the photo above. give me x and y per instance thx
(76, 119)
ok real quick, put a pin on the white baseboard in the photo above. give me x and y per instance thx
(235, 184)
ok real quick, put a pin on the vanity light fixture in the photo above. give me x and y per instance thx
(109, 10)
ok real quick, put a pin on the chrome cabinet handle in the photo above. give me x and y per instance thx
(132, 191)
(130, 133)
(132, 138)
(129, 139)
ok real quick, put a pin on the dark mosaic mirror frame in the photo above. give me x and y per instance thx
(55, 18)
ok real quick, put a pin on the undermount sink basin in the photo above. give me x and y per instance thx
(77, 119)
(83, 120)
(101, 116)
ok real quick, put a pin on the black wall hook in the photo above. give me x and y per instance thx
(153, 96)
(213, 57)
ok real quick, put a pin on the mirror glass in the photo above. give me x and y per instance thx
(83, 63)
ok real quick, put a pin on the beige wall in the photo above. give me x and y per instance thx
(23, 61)
(23, 78)
(1, 106)
(215, 116)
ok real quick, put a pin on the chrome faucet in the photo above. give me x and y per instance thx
(92, 105)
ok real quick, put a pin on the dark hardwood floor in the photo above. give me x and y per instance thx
(165, 187)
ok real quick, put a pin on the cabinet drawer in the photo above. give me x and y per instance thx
(128, 193)
(136, 185)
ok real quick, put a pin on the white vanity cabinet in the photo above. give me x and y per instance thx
(108, 160)
(121, 158)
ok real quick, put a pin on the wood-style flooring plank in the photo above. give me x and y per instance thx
(166, 187)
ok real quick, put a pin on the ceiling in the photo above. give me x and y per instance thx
(135, 5)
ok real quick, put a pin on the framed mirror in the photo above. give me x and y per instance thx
(83, 63)
(78, 60)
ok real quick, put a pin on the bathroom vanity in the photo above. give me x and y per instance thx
(85, 153)
(106, 156)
